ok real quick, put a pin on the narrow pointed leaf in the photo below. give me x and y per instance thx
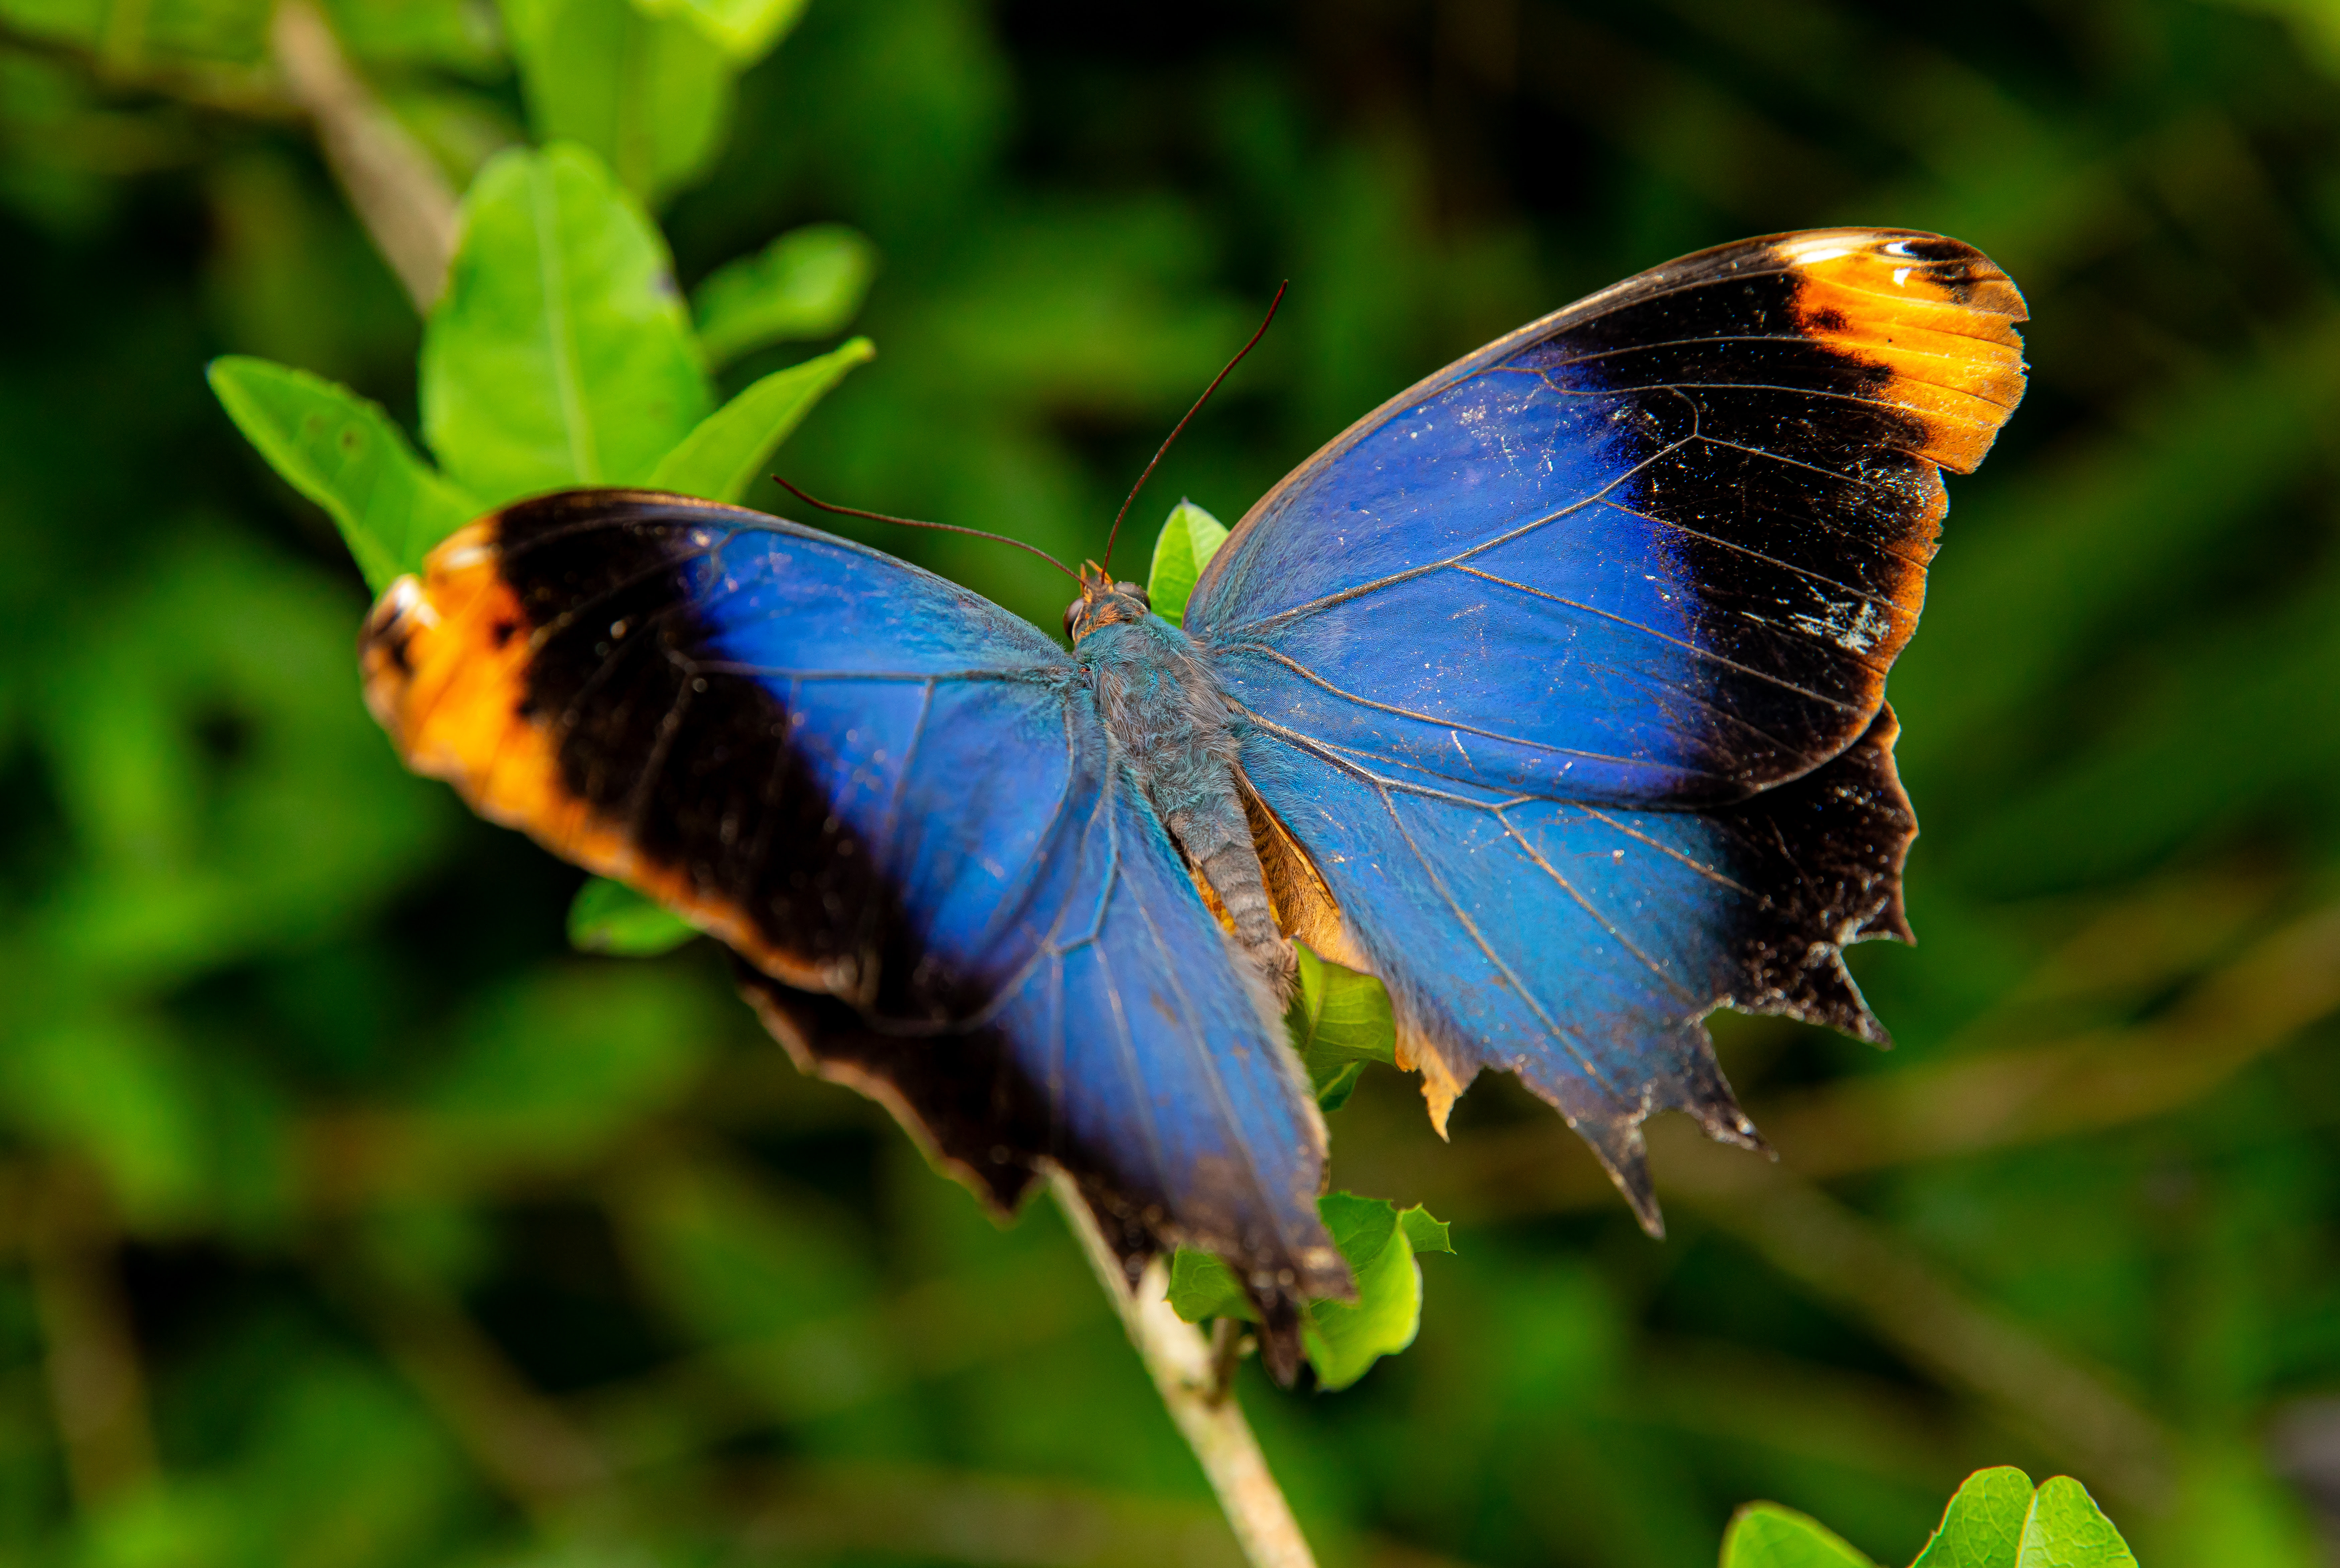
(731, 446)
(1186, 545)
(347, 455)
(805, 285)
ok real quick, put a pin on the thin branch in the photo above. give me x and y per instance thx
(525, 1443)
(399, 192)
(1178, 1358)
(96, 1384)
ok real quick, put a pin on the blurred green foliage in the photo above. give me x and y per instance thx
(346, 1216)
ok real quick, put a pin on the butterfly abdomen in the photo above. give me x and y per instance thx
(1166, 710)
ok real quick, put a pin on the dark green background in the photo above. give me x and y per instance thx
(346, 1218)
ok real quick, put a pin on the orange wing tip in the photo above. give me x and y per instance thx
(1937, 314)
(446, 659)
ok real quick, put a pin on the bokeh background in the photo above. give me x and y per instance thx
(348, 1218)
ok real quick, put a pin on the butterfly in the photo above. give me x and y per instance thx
(1551, 692)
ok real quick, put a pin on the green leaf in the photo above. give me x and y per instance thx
(650, 94)
(1423, 1233)
(1202, 1286)
(1344, 1339)
(1361, 1227)
(2068, 1529)
(348, 456)
(805, 285)
(722, 457)
(1339, 1019)
(560, 353)
(1983, 1525)
(608, 917)
(1187, 542)
(745, 29)
(1766, 1535)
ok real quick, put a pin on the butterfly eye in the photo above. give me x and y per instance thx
(1138, 593)
(1072, 613)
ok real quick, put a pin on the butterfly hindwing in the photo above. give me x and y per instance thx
(1564, 670)
(898, 804)
(1580, 944)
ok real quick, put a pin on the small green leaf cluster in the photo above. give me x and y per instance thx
(559, 355)
(1996, 1520)
(1343, 1338)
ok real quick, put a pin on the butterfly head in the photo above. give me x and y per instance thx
(1103, 602)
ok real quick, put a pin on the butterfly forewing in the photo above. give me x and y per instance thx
(1659, 548)
(898, 804)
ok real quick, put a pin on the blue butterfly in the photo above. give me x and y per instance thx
(1552, 692)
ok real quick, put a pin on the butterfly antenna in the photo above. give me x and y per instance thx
(914, 522)
(1182, 423)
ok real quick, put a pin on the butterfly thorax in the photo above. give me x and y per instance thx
(1171, 725)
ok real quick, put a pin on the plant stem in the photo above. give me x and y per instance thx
(406, 203)
(1179, 1359)
(96, 1388)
